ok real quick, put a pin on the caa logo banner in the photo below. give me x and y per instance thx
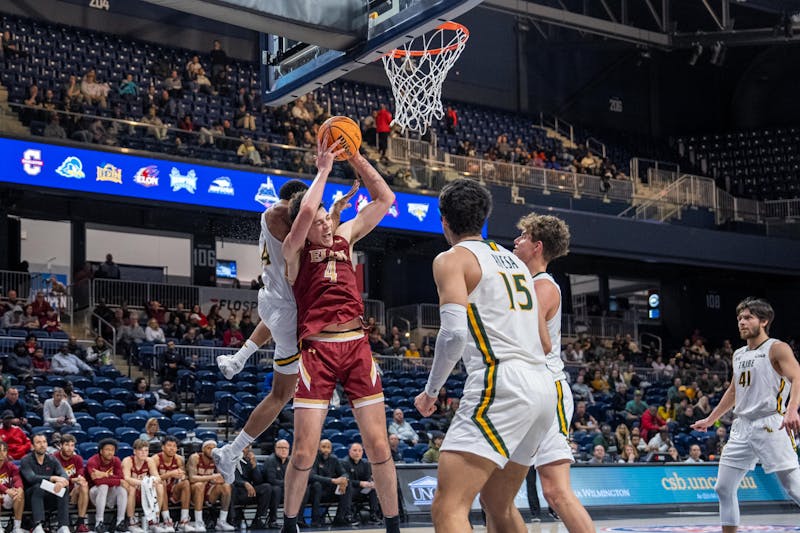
(32, 162)
(71, 168)
(147, 176)
(109, 172)
(418, 211)
(221, 185)
(422, 490)
(178, 181)
(266, 195)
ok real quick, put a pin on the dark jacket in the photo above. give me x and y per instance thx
(326, 469)
(33, 473)
(273, 470)
(362, 471)
(18, 408)
(245, 473)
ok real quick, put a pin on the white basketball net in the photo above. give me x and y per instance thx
(417, 70)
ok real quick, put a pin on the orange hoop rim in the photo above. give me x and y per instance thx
(448, 26)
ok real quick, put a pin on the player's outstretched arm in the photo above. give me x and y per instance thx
(450, 277)
(725, 404)
(783, 357)
(296, 238)
(371, 214)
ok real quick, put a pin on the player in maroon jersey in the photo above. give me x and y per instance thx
(108, 486)
(78, 486)
(11, 489)
(135, 468)
(208, 487)
(176, 485)
(334, 346)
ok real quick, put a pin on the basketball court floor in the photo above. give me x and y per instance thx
(660, 522)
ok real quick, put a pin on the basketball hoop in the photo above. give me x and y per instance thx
(417, 70)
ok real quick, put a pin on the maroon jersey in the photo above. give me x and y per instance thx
(326, 290)
(72, 466)
(164, 467)
(113, 468)
(141, 471)
(9, 477)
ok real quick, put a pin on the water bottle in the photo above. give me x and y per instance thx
(242, 525)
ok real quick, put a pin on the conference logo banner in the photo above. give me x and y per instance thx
(137, 177)
(608, 486)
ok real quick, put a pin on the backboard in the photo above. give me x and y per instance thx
(291, 68)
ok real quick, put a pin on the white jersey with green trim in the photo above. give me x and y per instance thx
(273, 265)
(554, 362)
(760, 390)
(503, 312)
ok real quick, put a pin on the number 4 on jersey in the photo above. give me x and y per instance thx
(330, 271)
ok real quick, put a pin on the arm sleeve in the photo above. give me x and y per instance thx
(450, 345)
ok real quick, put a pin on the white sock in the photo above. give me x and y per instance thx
(242, 441)
(247, 350)
(17, 524)
(223, 516)
(165, 516)
(198, 516)
(184, 514)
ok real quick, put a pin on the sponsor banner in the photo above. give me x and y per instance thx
(236, 300)
(604, 486)
(67, 168)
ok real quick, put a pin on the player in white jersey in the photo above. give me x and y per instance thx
(487, 308)
(543, 239)
(765, 395)
(278, 313)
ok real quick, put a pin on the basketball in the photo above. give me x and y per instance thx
(342, 130)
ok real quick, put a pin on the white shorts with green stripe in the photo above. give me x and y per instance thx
(506, 410)
(555, 445)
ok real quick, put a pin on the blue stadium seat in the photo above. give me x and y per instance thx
(126, 435)
(124, 450)
(341, 452)
(79, 434)
(114, 406)
(109, 420)
(98, 394)
(87, 449)
(134, 420)
(98, 433)
(206, 434)
(410, 455)
(93, 406)
(84, 419)
(120, 394)
(34, 419)
(184, 421)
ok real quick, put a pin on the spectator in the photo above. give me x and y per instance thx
(599, 456)
(39, 365)
(583, 421)
(622, 435)
(431, 455)
(151, 431)
(661, 441)
(94, 92)
(395, 350)
(18, 443)
(716, 443)
(412, 351)
(202, 83)
(328, 482)
(600, 383)
(173, 85)
(53, 129)
(141, 397)
(58, 413)
(128, 88)
(685, 420)
(193, 67)
(154, 334)
(635, 408)
(243, 119)
(368, 132)
(383, 126)
(219, 62)
(105, 471)
(108, 269)
(650, 422)
(12, 403)
(451, 120)
(233, 337)
(168, 399)
(246, 326)
(29, 319)
(629, 454)
(666, 412)
(68, 364)
(247, 152)
(401, 428)
(637, 441)
(35, 468)
(155, 127)
(606, 439)
(11, 47)
(362, 486)
(72, 464)
(695, 454)
(250, 487)
(167, 105)
(702, 408)
(99, 354)
(274, 468)
(13, 317)
(208, 136)
(171, 360)
(394, 446)
(75, 400)
(50, 322)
